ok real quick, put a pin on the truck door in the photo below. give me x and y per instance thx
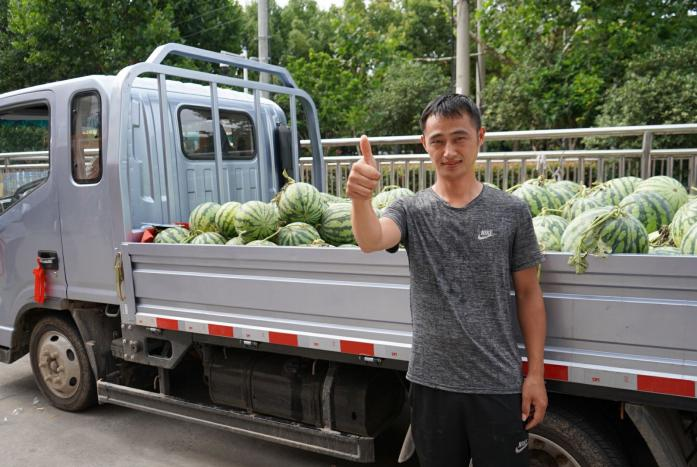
(29, 205)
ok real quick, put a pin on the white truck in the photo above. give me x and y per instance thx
(302, 346)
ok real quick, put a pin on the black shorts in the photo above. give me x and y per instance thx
(450, 428)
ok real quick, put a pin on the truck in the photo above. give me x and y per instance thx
(307, 347)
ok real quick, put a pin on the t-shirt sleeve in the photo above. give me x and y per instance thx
(398, 213)
(526, 251)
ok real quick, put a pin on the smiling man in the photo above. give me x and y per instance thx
(468, 245)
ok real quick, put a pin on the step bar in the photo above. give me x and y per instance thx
(323, 441)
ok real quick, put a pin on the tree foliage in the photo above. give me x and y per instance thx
(372, 65)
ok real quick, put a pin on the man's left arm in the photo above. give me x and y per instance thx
(533, 324)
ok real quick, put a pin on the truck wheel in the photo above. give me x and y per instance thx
(564, 439)
(61, 366)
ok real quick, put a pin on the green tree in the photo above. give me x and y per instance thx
(394, 107)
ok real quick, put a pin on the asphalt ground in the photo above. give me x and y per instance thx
(35, 434)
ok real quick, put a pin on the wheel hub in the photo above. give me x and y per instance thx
(546, 453)
(58, 364)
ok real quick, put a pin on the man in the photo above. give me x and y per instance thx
(466, 244)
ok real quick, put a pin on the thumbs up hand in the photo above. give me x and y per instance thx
(364, 176)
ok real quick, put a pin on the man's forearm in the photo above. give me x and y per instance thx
(366, 225)
(533, 325)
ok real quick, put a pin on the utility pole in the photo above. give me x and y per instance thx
(462, 55)
(481, 72)
(263, 27)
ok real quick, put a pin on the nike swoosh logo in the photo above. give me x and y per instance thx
(483, 237)
(520, 449)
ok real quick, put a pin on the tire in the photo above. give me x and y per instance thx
(60, 365)
(567, 439)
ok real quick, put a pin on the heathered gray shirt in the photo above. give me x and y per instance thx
(460, 262)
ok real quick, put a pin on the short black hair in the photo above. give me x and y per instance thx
(450, 106)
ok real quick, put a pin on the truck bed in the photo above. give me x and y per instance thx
(629, 322)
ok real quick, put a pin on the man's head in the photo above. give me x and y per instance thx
(452, 134)
(451, 106)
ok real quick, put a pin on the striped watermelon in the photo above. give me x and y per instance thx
(321, 244)
(256, 220)
(173, 235)
(235, 241)
(389, 195)
(651, 208)
(225, 218)
(208, 238)
(607, 194)
(336, 224)
(329, 198)
(602, 231)
(296, 233)
(563, 190)
(299, 202)
(682, 221)
(579, 204)
(536, 197)
(671, 189)
(624, 185)
(664, 250)
(202, 218)
(549, 230)
(260, 243)
(688, 245)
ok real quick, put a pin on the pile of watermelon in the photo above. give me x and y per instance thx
(623, 215)
(299, 215)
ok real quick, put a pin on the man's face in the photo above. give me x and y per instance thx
(453, 144)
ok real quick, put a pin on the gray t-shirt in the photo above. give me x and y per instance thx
(460, 263)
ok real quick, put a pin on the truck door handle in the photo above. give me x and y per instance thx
(48, 260)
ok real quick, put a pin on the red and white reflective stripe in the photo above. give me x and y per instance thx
(657, 383)
(378, 349)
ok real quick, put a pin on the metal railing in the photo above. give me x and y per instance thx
(508, 168)
(20, 168)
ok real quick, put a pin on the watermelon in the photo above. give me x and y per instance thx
(579, 204)
(256, 220)
(299, 202)
(602, 231)
(260, 243)
(563, 190)
(225, 219)
(549, 230)
(235, 241)
(536, 197)
(329, 198)
(296, 233)
(651, 208)
(202, 218)
(682, 221)
(173, 235)
(671, 189)
(336, 224)
(389, 195)
(607, 194)
(321, 244)
(623, 185)
(208, 238)
(688, 245)
(664, 250)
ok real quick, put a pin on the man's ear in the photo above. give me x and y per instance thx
(482, 132)
(423, 142)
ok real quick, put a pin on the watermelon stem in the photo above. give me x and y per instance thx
(579, 258)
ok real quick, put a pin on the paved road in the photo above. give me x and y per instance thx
(34, 434)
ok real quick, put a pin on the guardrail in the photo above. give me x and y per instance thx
(508, 168)
(20, 168)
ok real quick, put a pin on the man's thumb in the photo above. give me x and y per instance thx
(366, 150)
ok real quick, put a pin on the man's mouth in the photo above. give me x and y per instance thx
(450, 163)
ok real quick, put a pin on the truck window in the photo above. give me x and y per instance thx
(196, 130)
(24, 151)
(86, 137)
